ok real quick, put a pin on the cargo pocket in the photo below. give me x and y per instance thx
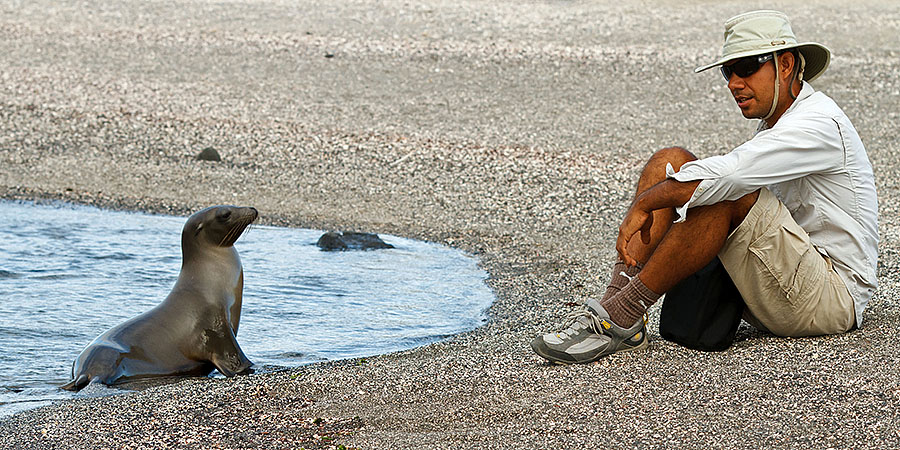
(782, 249)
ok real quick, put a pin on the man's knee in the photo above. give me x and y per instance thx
(655, 169)
(676, 156)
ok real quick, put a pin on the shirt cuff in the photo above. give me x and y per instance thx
(681, 211)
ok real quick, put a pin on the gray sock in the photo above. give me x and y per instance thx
(627, 306)
(621, 275)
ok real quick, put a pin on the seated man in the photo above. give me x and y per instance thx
(791, 213)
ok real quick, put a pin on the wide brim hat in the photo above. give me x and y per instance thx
(760, 32)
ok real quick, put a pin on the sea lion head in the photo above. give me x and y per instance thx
(218, 226)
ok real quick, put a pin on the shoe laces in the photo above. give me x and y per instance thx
(582, 318)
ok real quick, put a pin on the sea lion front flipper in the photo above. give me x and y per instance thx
(227, 356)
(77, 384)
(231, 363)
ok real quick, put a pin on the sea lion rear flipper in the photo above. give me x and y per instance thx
(77, 384)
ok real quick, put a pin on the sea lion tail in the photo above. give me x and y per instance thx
(77, 384)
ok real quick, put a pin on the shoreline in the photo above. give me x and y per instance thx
(34, 379)
(510, 133)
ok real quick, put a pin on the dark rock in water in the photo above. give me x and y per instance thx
(209, 154)
(333, 241)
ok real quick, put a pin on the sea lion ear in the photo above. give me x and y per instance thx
(199, 228)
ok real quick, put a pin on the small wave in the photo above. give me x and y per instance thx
(118, 256)
(15, 407)
(297, 357)
(412, 342)
(17, 332)
(55, 276)
(6, 274)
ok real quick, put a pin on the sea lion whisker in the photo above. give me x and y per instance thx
(224, 238)
(228, 236)
(248, 227)
(235, 232)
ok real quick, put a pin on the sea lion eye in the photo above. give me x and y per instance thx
(224, 216)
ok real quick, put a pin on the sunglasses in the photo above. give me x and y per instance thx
(745, 67)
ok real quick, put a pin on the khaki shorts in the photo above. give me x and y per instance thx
(788, 286)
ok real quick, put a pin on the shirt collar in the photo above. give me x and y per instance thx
(805, 92)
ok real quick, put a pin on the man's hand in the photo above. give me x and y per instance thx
(668, 193)
(636, 219)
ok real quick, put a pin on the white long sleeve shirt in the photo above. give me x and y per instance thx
(814, 162)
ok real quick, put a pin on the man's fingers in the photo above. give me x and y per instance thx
(645, 230)
(622, 248)
(635, 220)
(621, 244)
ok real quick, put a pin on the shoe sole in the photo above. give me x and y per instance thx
(537, 349)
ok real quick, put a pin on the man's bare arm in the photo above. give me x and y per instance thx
(668, 193)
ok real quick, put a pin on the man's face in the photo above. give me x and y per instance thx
(755, 92)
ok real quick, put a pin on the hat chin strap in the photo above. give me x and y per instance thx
(798, 75)
(777, 88)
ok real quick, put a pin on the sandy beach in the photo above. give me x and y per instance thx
(511, 130)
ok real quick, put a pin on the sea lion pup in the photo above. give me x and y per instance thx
(193, 330)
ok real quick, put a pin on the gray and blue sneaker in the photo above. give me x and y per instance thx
(590, 335)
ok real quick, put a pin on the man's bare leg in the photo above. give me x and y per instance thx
(654, 172)
(675, 251)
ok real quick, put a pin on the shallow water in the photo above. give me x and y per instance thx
(68, 273)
